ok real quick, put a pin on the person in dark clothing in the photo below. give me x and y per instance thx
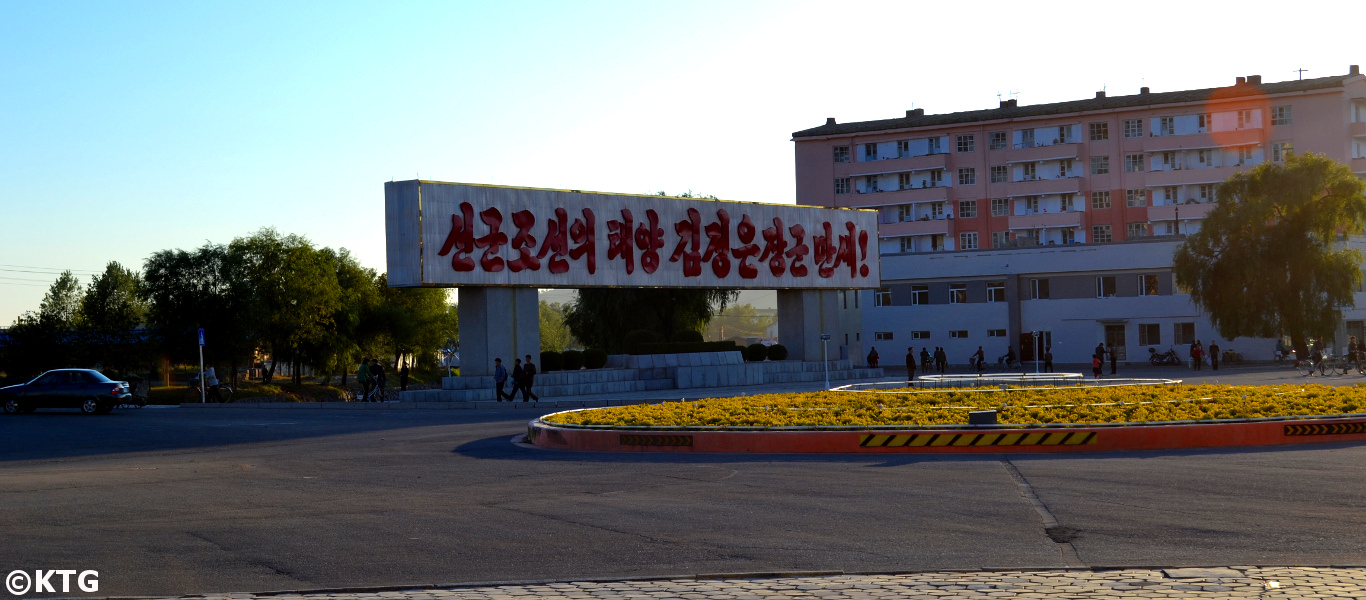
(979, 359)
(1100, 352)
(1048, 359)
(1095, 365)
(528, 378)
(377, 373)
(941, 359)
(500, 378)
(403, 378)
(872, 358)
(1214, 355)
(1112, 358)
(518, 373)
(910, 364)
(925, 359)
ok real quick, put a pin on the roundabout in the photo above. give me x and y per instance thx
(972, 415)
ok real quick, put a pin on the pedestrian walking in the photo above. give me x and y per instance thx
(910, 364)
(941, 359)
(377, 373)
(500, 377)
(1100, 352)
(518, 373)
(1214, 355)
(363, 378)
(1113, 357)
(403, 377)
(1048, 359)
(1095, 365)
(528, 378)
(1198, 355)
(872, 358)
(925, 359)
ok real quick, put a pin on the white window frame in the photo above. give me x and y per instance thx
(920, 295)
(967, 240)
(1133, 128)
(841, 154)
(1101, 281)
(967, 143)
(842, 185)
(996, 291)
(1097, 230)
(920, 335)
(1282, 115)
(967, 209)
(958, 293)
(967, 176)
(1000, 207)
(997, 140)
(1136, 198)
(1143, 284)
(882, 297)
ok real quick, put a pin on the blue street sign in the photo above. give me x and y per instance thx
(201, 337)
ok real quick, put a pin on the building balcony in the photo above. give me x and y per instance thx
(869, 199)
(1046, 220)
(1043, 187)
(1203, 141)
(1357, 129)
(1039, 153)
(1186, 211)
(1359, 165)
(908, 228)
(927, 162)
(1191, 176)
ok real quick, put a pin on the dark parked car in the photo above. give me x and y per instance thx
(85, 389)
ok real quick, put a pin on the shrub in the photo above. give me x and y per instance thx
(573, 360)
(756, 353)
(551, 361)
(594, 358)
(686, 336)
(777, 352)
(637, 337)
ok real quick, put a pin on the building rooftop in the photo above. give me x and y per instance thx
(1009, 109)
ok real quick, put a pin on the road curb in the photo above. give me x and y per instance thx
(986, 440)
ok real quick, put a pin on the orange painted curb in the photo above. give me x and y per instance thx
(956, 441)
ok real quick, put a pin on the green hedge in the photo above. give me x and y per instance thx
(686, 336)
(573, 360)
(636, 337)
(594, 358)
(756, 353)
(551, 361)
(685, 347)
(777, 352)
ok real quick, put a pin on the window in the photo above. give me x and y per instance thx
(1183, 333)
(920, 294)
(1068, 202)
(908, 244)
(882, 297)
(870, 152)
(1100, 165)
(1245, 154)
(1133, 163)
(1105, 286)
(1166, 126)
(967, 240)
(999, 239)
(1149, 334)
(936, 210)
(1147, 285)
(1064, 132)
(1137, 230)
(1244, 118)
(1069, 236)
(842, 185)
(1133, 128)
(1100, 199)
(1135, 198)
(1206, 192)
(1038, 289)
(870, 184)
(958, 333)
(1169, 194)
(905, 212)
(882, 335)
(1031, 205)
(1000, 174)
(958, 293)
(1100, 131)
(1281, 151)
(903, 148)
(967, 143)
(1205, 157)
(1280, 115)
(967, 209)
(997, 140)
(967, 176)
(936, 178)
(920, 335)
(1169, 160)
(1000, 207)
(903, 181)
(1204, 124)
(996, 333)
(1100, 234)
(1026, 138)
(996, 291)
(841, 154)
(1029, 171)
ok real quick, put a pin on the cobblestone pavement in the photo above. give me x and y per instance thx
(1270, 583)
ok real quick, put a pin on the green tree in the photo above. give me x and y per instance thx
(416, 322)
(112, 310)
(601, 317)
(202, 288)
(555, 335)
(1266, 261)
(43, 340)
(742, 320)
(61, 306)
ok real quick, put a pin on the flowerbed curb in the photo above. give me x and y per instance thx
(955, 440)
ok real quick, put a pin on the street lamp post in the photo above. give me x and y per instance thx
(825, 339)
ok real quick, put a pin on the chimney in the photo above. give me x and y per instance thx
(1143, 90)
(1354, 70)
(916, 112)
(1100, 94)
(1254, 79)
(830, 120)
(1240, 81)
(1011, 103)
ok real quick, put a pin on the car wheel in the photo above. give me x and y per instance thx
(90, 406)
(13, 406)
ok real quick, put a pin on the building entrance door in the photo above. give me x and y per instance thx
(1114, 341)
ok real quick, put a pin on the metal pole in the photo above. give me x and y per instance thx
(826, 359)
(201, 375)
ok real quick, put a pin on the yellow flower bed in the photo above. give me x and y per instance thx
(1129, 404)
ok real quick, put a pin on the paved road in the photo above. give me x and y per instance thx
(176, 501)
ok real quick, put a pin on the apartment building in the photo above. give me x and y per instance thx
(1060, 219)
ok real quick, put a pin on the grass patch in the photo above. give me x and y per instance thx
(253, 392)
(1130, 404)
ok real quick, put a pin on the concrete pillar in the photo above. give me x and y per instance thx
(498, 322)
(803, 315)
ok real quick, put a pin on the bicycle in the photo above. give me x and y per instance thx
(377, 394)
(1307, 367)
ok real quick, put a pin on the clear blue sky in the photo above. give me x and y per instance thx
(130, 127)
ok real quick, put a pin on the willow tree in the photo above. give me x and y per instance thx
(1268, 260)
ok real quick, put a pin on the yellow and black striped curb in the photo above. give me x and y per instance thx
(932, 440)
(1325, 429)
(630, 439)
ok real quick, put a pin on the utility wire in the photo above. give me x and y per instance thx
(46, 269)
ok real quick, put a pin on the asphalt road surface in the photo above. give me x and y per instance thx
(180, 501)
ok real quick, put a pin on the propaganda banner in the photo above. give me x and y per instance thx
(453, 234)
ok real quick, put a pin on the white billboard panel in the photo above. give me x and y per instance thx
(453, 234)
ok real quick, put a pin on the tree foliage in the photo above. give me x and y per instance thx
(739, 321)
(112, 311)
(555, 334)
(601, 317)
(1267, 260)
